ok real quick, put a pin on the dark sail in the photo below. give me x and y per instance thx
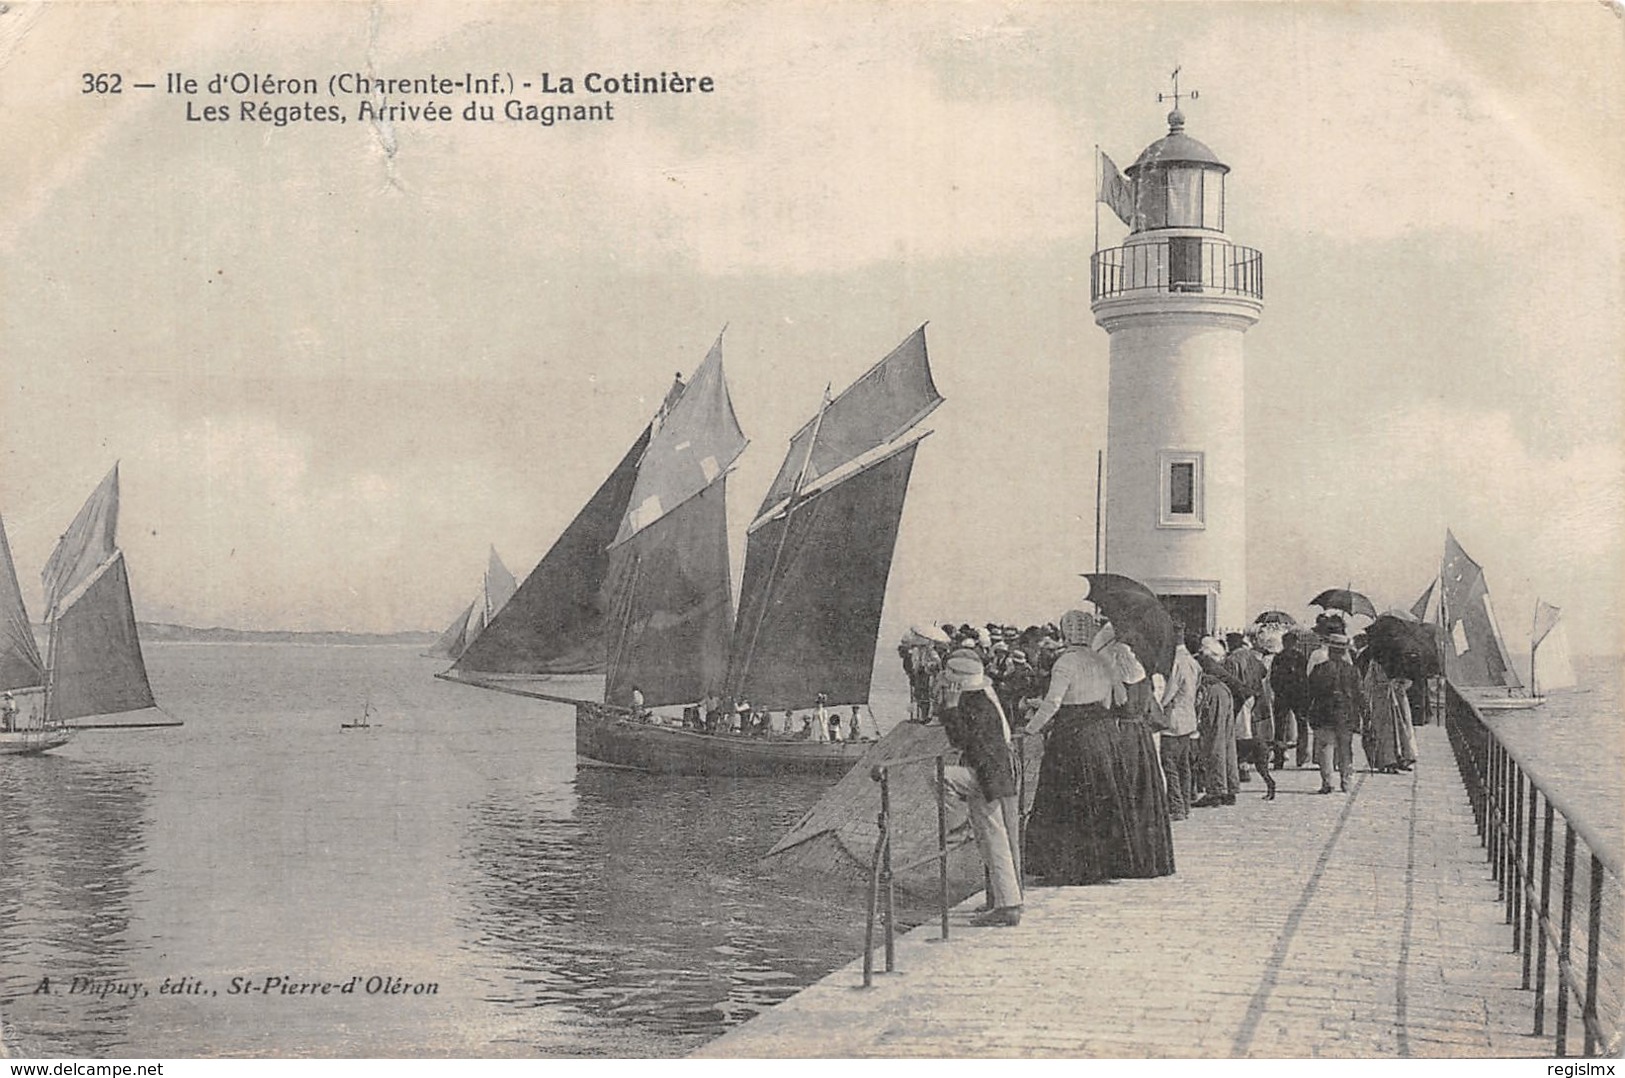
(670, 605)
(895, 394)
(97, 667)
(815, 582)
(1474, 654)
(555, 622)
(20, 666)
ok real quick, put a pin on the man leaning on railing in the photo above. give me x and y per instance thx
(986, 779)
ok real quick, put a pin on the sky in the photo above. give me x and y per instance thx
(337, 361)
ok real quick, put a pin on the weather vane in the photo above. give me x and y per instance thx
(1176, 95)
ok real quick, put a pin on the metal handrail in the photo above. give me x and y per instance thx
(1509, 800)
(880, 865)
(881, 870)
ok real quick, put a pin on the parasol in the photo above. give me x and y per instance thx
(1351, 602)
(1275, 617)
(1138, 618)
(1407, 649)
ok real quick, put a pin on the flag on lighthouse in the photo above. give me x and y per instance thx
(1115, 191)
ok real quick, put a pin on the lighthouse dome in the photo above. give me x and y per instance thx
(1176, 148)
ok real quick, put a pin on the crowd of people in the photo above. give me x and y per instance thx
(821, 723)
(1126, 754)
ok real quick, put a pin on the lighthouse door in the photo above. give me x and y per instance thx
(1191, 611)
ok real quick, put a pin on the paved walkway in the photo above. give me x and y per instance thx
(1363, 925)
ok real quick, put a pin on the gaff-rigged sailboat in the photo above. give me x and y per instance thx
(478, 615)
(93, 668)
(818, 557)
(1476, 660)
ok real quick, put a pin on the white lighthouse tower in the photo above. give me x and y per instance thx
(1177, 298)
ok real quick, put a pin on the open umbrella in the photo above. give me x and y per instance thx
(1407, 649)
(1275, 617)
(1351, 602)
(1138, 618)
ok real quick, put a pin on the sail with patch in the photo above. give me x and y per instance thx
(1475, 654)
(669, 587)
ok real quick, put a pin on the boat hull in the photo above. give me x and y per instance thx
(607, 736)
(1493, 701)
(33, 742)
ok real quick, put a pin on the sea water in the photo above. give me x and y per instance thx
(262, 882)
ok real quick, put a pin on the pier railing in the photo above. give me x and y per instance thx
(1517, 810)
(882, 874)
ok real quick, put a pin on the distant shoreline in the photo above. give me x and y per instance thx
(159, 632)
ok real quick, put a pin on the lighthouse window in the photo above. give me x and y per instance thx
(1151, 195)
(1184, 197)
(1213, 200)
(1181, 489)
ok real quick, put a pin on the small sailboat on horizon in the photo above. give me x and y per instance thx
(498, 588)
(365, 721)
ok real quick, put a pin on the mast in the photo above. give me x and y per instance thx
(1100, 472)
(1534, 644)
(784, 534)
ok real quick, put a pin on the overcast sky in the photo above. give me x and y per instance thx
(337, 362)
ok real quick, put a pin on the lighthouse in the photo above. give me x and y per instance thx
(1176, 299)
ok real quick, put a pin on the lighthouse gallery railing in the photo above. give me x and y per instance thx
(1177, 264)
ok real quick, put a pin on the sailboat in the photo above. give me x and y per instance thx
(818, 556)
(22, 672)
(1476, 660)
(364, 722)
(93, 669)
(477, 616)
(1551, 666)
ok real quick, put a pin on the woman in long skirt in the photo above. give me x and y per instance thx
(1100, 811)
(1387, 739)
